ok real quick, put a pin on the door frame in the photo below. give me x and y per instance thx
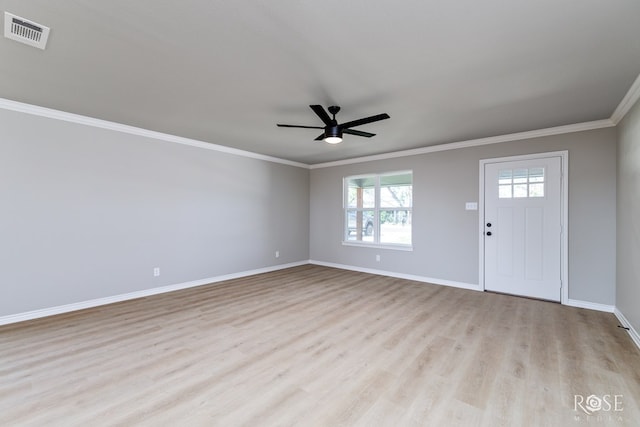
(564, 215)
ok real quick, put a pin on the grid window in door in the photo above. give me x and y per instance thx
(521, 183)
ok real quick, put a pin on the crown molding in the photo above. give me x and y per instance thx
(50, 113)
(558, 130)
(629, 100)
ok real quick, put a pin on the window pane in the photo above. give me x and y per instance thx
(395, 226)
(361, 192)
(396, 196)
(504, 177)
(504, 191)
(397, 179)
(375, 201)
(536, 175)
(360, 225)
(519, 190)
(520, 176)
(396, 191)
(536, 189)
(368, 197)
(351, 197)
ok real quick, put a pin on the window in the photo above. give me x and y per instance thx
(521, 183)
(377, 209)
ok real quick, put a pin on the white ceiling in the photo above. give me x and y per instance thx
(226, 72)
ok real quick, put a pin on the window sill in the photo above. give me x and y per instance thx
(406, 248)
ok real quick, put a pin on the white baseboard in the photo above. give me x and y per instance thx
(634, 334)
(36, 314)
(590, 305)
(451, 283)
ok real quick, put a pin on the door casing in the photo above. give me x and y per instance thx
(564, 215)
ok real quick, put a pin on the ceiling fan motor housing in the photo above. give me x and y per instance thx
(334, 131)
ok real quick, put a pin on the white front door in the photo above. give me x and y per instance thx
(522, 227)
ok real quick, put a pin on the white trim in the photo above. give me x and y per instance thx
(564, 209)
(481, 227)
(558, 130)
(20, 107)
(36, 314)
(35, 110)
(590, 305)
(634, 334)
(398, 247)
(416, 278)
(377, 208)
(564, 242)
(629, 100)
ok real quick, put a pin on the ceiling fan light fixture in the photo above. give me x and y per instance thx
(332, 130)
(333, 135)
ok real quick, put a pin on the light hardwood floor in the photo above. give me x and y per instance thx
(320, 347)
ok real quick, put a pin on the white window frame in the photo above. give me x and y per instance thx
(376, 212)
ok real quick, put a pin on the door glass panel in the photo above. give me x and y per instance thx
(504, 177)
(519, 190)
(521, 183)
(536, 189)
(536, 175)
(520, 176)
(504, 191)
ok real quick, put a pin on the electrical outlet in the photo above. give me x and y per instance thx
(156, 271)
(277, 254)
(378, 258)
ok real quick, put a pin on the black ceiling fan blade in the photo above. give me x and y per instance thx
(358, 132)
(320, 138)
(364, 121)
(299, 126)
(322, 114)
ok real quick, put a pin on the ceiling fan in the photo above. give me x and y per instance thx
(333, 130)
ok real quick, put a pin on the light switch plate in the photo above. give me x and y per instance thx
(471, 206)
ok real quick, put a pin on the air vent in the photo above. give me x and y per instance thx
(24, 31)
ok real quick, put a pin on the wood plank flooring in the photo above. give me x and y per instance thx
(315, 346)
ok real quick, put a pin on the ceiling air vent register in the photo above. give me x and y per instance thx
(24, 31)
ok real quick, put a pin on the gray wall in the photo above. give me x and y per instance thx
(628, 268)
(445, 236)
(88, 213)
